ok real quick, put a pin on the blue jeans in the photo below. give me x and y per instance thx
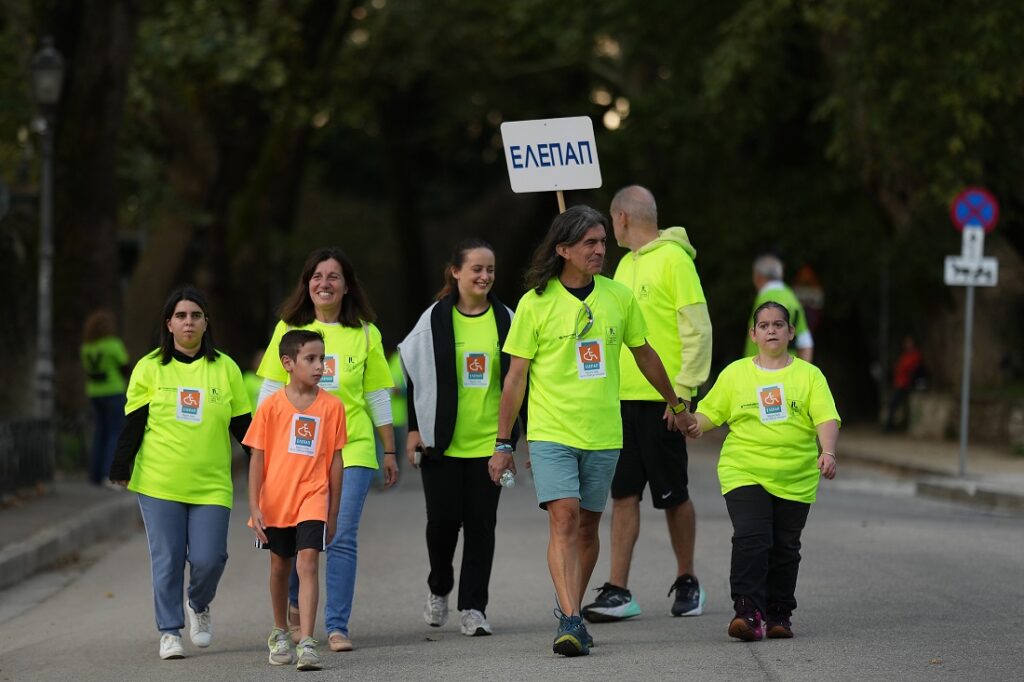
(179, 532)
(341, 553)
(108, 412)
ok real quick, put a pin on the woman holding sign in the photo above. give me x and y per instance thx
(329, 299)
(769, 468)
(455, 372)
(185, 400)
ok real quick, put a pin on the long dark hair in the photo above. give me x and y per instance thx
(298, 310)
(567, 228)
(206, 347)
(456, 261)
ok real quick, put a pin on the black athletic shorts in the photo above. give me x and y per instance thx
(288, 541)
(650, 454)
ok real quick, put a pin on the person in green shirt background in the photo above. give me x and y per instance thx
(105, 362)
(779, 410)
(767, 278)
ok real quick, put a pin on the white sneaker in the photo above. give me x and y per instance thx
(170, 646)
(474, 624)
(200, 628)
(435, 611)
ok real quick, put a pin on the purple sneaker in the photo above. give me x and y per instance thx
(779, 625)
(746, 624)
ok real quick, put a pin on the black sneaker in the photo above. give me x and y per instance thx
(689, 596)
(613, 603)
(778, 625)
(571, 638)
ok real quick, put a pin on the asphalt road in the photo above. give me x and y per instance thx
(891, 586)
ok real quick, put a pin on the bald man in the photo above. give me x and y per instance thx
(660, 271)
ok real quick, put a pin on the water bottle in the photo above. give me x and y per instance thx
(508, 479)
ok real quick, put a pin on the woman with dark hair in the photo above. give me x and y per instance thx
(450, 357)
(105, 362)
(185, 401)
(783, 428)
(329, 299)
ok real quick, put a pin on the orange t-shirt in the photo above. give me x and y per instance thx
(297, 452)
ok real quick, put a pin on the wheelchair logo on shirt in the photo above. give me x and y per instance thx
(304, 434)
(190, 405)
(474, 370)
(771, 403)
(329, 379)
(590, 359)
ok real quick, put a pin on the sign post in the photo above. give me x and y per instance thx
(551, 155)
(974, 211)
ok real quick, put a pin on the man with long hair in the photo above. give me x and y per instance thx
(566, 337)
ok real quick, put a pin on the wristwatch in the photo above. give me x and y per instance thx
(679, 407)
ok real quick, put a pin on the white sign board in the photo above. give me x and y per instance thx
(547, 155)
(962, 272)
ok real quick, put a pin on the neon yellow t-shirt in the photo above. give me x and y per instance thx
(185, 454)
(102, 360)
(478, 376)
(574, 383)
(771, 417)
(664, 280)
(354, 366)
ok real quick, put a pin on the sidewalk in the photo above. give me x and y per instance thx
(55, 523)
(994, 478)
(43, 529)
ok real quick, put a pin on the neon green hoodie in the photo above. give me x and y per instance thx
(664, 280)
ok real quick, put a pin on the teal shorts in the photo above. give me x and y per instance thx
(561, 471)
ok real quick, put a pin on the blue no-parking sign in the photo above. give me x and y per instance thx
(974, 206)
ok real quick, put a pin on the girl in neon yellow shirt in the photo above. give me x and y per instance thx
(779, 409)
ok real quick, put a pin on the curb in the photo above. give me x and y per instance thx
(941, 485)
(970, 492)
(113, 519)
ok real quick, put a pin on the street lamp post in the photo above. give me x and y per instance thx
(47, 79)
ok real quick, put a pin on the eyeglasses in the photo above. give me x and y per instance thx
(586, 318)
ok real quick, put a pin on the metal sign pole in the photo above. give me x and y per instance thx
(965, 388)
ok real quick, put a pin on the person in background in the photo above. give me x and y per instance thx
(904, 374)
(779, 410)
(660, 271)
(455, 365)
(328, 298)
(253, 382)
(185, 401)
(105, 361)
(767, 278)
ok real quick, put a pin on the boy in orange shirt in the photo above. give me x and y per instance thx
(295, 476)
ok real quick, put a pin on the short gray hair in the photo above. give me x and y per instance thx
(768, 266)
(638, 202)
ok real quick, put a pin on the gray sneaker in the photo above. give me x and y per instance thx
(474, 623)
(200, 627)
(435, 611)
(280, 647)
(309, 657)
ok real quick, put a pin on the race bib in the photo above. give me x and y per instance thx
(590, 359)
(476, 370)
(771, 402)
(190, 405)
(305, 431)
(329, 379)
